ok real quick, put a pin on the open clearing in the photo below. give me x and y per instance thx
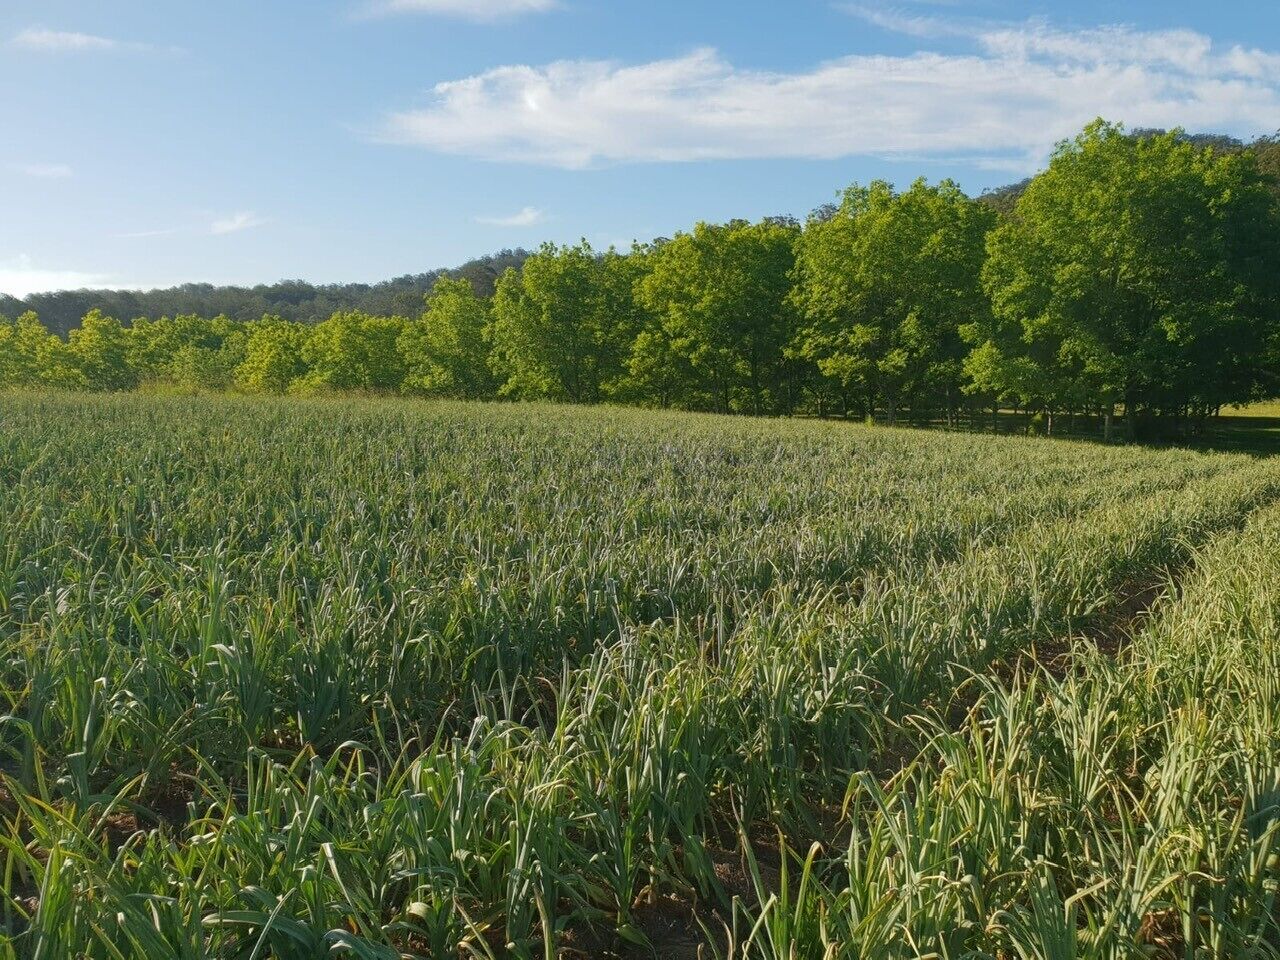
(286, 678)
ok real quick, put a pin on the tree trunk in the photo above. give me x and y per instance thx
(1106, 424)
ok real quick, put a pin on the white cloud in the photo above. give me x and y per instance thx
(44, 171)
(1006, 101)
(912, 24)
(139, 234)
(61, 41)
(527, 217)
(244, 220)
(44, 40)
(481, 10)
(20, 277)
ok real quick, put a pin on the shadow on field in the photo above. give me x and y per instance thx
(1259, 436)
(1249, 434)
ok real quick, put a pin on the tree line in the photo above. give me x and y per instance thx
(63, 310)
(1137, 275)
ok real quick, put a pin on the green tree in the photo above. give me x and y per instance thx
(98, 350)
(1267, 152)
(624, 316)
(444, 351)
(187, 351)
(883, 284)
(273, 356)
(10, 370)
(354, 351)
(1017, 360)
(562, 327)
(29, 353)
(719, 317)
(1135, 270)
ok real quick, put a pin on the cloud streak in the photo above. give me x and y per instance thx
(44, 171)
(140, 234)
(244, 220)
(44, 40)
(527, 217)
(911, 24)
(1004, 102)
(61, 41)
(477, 10)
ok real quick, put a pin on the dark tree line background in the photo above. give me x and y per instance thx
(295, 300)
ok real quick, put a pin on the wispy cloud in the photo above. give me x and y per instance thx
(1005, 101)
(44, 171)
(44, 40)
(478, 10)
(20, 277)
(138, 234)
(911, 24)
(61, 41)
(244, 220)
(217, 226)
(527, 217)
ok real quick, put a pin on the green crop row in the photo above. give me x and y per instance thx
(285, 678)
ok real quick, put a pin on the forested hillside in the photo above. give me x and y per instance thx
(290, 299)
(1136, 276)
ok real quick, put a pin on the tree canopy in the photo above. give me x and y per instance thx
(720, 320)
(883, 286)
(1134, 270)
(560, 327)
(445, 351)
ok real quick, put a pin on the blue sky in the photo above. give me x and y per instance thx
(244, 141)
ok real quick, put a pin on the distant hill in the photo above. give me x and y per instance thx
(291, 299)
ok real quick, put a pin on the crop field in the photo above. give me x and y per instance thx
(294, 678)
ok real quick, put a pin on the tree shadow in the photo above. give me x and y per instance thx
(1256, 436)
